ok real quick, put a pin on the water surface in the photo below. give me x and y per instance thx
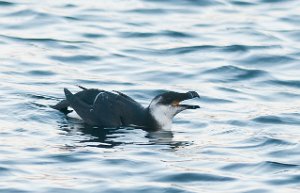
(241, 56)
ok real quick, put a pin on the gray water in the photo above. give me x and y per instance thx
(241, 56)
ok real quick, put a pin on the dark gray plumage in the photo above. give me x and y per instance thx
(115, 109)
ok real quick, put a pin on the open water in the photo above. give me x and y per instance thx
(241, 56)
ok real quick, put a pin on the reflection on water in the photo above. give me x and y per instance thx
(241, 56)
(97, 137)
(109, 137)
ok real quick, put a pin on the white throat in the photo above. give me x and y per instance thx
(163, 114)
(163, 119)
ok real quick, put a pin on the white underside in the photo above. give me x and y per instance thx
(74, 115)
(163, 115)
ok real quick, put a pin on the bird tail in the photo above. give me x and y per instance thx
(62, 106)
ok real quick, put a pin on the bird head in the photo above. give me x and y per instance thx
(166, 105)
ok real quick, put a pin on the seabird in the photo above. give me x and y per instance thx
(115, 109)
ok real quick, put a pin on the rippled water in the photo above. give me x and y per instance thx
(241, 56)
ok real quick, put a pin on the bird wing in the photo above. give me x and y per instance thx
(107, 108)
(126, 98)
(103, 108)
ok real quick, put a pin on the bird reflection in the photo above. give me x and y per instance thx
(110, 137)
(165, 138)
(94, 136)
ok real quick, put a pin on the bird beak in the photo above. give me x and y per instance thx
(186, 96)
(193, 94)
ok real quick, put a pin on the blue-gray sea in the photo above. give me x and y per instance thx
(241, 56)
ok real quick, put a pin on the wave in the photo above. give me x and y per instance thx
(6, 4)
(190, 2)
(167, 33)
(286, 83)
(233, 73)
(194, 177)
(191, 49)
(272, 119)
(258, 60)
(75, 58)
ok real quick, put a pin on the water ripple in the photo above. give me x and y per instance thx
(191, 2)
(47, 41)
(268, 60)
(6, 3)
(242, 3)
(265, 142)
(293, 179)
(200, 48)
(148, 11)
(241, 56)
(271, 119)
(174, 34)
(262, 167)
(77, 58)
(40, 73)
(194, 177)
(287, 83)
(234, 73)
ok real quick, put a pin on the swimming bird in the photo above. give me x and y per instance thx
(115, 109)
